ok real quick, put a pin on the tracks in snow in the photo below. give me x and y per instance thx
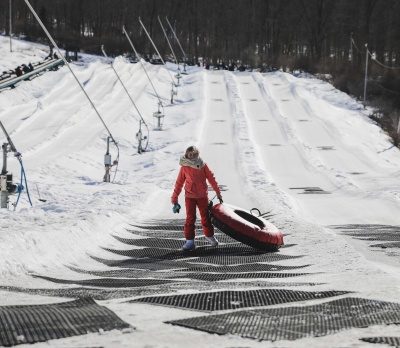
(295, 150)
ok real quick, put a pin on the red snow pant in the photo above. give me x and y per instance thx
(190, 229)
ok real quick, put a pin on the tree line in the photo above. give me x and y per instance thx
(256, 32)
(313, 35)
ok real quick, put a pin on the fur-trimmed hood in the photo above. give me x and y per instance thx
(196, 163)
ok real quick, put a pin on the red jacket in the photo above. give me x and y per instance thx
(195, 183)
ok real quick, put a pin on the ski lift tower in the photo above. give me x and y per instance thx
(140, 137)
(159, 115)
(173, 93)
(7, 187)
(107, 162)
(178, 75)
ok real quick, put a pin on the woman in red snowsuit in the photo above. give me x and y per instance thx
(193, 174)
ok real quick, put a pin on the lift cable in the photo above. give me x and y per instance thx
(157, 114)
(378, 62)
(155, 47)
(69, 67)
(141, 63)
(169, 44)
(123, 85)
(76, 79)
(374, 59)
(173, 31)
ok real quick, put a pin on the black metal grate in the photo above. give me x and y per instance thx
(362, 226)
(179, 234)
(291, 323)
(215, 255)
(111, 293)
(373, 237)
(144, 264)
(310, 190)
(386, 245)
(213, 277)
(222, 238)
(243, 259)
(250, 267)
(154, 253)
(167, 225)
(373, 233)
(159, 243)
(159, 266)
(392, 341)
(168, 254)
(161, 233)
(39, 323)
(226, 300)
(367, 231)
(153, 265)
(110, 282)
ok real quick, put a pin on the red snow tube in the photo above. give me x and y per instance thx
(245, 227)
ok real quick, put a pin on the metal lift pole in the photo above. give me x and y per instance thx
(69, 67)
(184, 54)
(8, 138)
(126, 90)
(155, 47)
(12, 147)
(107, 162)
(178, 75)
(137, 55)
(6, 179)
(158, 114)
(169, 44)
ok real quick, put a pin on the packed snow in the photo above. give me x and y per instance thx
(266, 136)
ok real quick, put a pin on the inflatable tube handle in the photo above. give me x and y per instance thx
(211, 203)
(259, 212)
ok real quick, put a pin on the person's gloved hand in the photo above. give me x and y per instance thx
(176, 208)
(220, 198)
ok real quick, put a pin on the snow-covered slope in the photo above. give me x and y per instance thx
(267, 137)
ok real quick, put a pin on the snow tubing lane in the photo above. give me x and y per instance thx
(245, 227)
